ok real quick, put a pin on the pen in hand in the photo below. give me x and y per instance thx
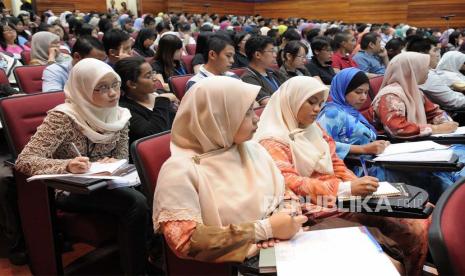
(364, 166)
(76, 150)
(79, 164)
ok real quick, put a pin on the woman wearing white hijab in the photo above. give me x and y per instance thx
(445, 84)
(306, 156)
(216, 193)
(91, 119)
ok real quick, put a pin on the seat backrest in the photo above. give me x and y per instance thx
(149, 154)
(22, 115)
(187, 60)
(29, 78)
(447, 231)
(4, 78)
(238, 71)
(26, 57)
(190, 49)
(178, 85)
(375, 84)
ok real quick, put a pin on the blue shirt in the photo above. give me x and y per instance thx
(369, 63)
(55, 76)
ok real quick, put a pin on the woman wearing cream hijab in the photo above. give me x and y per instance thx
(45, 49)
(91, 121)
(216, 193)
(306, 156)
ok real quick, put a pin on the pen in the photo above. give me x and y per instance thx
(413, 197)
(364, 166)
(75, 149)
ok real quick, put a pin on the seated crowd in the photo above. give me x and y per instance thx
(311, 78)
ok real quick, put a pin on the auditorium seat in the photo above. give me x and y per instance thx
(239, 71)
(447, 231)
(26, 57)
(190, 49)
(29, 78)
(3, 78)
(178, 85)
(187, 60)
(149, 154)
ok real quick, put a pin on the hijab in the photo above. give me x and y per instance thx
(208, 178)
(402, 78)
(40, 44)
(310, 152)
(343, 83)
(138, 24)
(451, 63)
(143, 35)
(99, 124)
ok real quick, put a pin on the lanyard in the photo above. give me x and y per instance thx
(180, 71)
(270, 80)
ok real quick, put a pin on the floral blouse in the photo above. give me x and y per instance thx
(390, 114)
(316, 185)
(50, 149)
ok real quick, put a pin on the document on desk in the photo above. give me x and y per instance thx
(97, 170)
(460, 131)
(445, 155)
(341, 251)
(409, 147)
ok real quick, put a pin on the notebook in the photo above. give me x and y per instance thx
(267, 260)
(423, 156)
(410, 147)
(97, 171)
(384, 189)
(340, 251)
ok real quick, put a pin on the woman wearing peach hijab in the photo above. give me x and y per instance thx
(401, 109)
(306, 156)
(216, 193)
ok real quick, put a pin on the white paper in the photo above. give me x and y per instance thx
(129, 180)
(52, 176)
(385, 188)
(424, 156)
(460, 131)
(412, 147)
(97, 167)
(341, 251)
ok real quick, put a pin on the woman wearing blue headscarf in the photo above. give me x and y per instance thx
(353, 134)
(342, 120)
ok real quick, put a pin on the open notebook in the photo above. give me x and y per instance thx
(341, 251)
(384, 189)
(409, 147)
(97, 171)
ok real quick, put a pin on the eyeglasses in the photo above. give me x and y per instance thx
(9, 31)
(274, 52)
(105, 88)
(301, 57)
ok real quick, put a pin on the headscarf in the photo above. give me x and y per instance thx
(63, 21)
(208, 178)
(138, 24)
(451, 61)
(52, 19)
(401, 79)
(40, 44)
(310, 152)
(96, 123)
(94, 21)
(139, 44)
(338, 91)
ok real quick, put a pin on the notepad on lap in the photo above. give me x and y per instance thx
(267, 260)
(341, 251)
